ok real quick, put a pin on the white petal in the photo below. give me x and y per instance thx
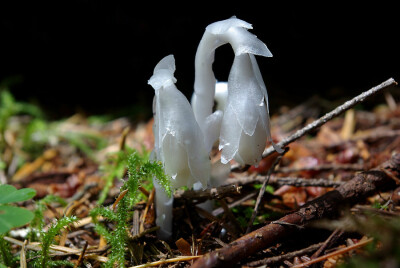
(167, 63)
(243, 41)
(175, 161)
(163, 73)
(213, 129)
(244, 93)
(221, 27)
(230, 135)
(252, 147)
(260, 80)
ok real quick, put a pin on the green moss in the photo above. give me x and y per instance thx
(38, 220)
(6, 256)
(139, 169)
(47, 238)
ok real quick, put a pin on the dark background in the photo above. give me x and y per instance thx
(96, 56)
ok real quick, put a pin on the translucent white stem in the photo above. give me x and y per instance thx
(179, 142)
(164, 205)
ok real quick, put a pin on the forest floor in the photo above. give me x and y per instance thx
(332, 199)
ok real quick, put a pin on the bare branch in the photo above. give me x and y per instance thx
(262, 191)
(293, 181)
(323, 167)
(288, 256)
(339, 110)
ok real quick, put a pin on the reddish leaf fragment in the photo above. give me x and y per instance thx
(183, 247)
(264, 165)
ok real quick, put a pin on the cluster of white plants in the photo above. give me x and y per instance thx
(185, 133)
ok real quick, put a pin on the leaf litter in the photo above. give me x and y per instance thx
(70, 162)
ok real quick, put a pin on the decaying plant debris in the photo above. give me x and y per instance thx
(332, 198)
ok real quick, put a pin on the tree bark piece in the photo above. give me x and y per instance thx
(361, 186)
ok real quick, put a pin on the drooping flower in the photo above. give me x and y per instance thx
(215, 35)
(244, 124)
(179, 142)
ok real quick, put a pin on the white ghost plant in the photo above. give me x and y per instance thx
(179, 142)
(244, 125)
(185, 134)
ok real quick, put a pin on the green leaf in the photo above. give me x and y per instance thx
(11, 217)
(9, 194)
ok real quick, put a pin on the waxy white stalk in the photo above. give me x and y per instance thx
(179, 142)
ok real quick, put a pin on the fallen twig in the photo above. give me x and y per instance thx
(231, 217)
(220, 210)
(150, 201)
(337, 252)
(262, 191)
(80, 259)
(23, 256)
(292, 181)
(37, 246)
(288, 256)
(323, 167)
(361, 186)
(331, 239)
(322, 120)
(157, 263)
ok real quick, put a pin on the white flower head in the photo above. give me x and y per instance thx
(179, 141)
(244, 126)
(215, 35)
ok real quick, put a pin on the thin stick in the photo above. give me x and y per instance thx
(339, 110)
(121, 195)
(231, 217)
(123, 138)
(37, 246)
(236, 203)
(287, 256)
(323, 167)
(22, 255)
(331, 239)
(262, 191)
(157, 263)
(150, 201)
(80, 259)
(292, 181)
(337, 252)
